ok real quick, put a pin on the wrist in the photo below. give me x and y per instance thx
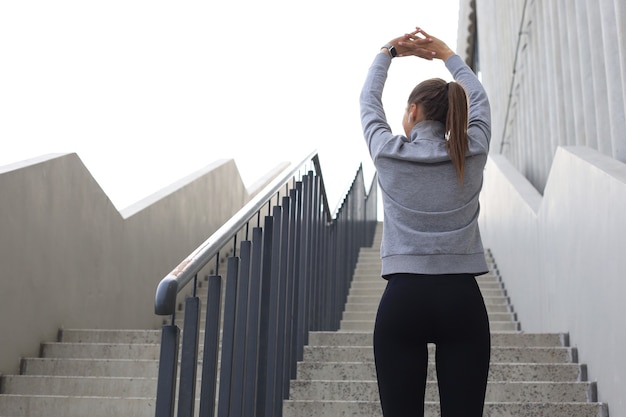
(390, 50)
(445, 55)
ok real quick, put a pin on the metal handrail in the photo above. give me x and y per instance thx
(179, 277)
(290, 277)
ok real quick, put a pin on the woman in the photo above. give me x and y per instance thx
(430, 179)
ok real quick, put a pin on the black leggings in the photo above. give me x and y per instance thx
(449, 311)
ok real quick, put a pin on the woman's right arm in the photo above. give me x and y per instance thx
(479, 123)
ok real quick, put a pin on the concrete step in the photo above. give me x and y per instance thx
(370, 272)
(360, 299)
(496, 391)
(135, 351)
(496, 326)
(380, 285)
(511, 409)
(110, 336)
(126, 387)
(71, 406)
(356, 307)
(91, 367)
(498, 354)
(515, 372)
(497, 339)
(371, 316)
(364, 292)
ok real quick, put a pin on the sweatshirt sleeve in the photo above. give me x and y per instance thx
(376, 130)
(479, 126)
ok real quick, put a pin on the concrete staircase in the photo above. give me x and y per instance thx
(531, 375)
(104, 373)
(93, 373)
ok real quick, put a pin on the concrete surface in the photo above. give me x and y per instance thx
(70, 259)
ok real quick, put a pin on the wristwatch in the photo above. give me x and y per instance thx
(391, 49)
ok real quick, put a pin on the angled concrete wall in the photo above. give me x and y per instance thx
(563, 256)
(555, 72)
(70, 259)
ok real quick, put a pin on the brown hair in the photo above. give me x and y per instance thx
(446, 103)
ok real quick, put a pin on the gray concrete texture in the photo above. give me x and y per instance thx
(70, 259)
(563, 256)
(554, 200)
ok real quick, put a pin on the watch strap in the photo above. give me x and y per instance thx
(391, 49)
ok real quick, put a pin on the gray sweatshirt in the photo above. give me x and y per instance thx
(430, 220)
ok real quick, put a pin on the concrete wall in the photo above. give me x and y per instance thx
(554, 71)
(70, 259)
(563, 256)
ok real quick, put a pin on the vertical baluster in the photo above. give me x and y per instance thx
(272, 318)
(282, 323)
(189, 358)
(332, 259)
(308, 261)
(239, 363)
(266, 280)
(328, 267)
(315, 277)
(211, 346)
(296, 348)
(168, 367)
(228, 336)
(289, 364)
(254, 315)
(302, 274)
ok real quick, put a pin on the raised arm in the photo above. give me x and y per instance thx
(376, 130)
(479, 125)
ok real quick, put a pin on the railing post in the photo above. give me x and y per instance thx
(254, 316)
(314, 277)
(266, 282)
(272, 317)
(292, 276)
(282, 364)
(228, 338)
(211, 346)
(168, 366)
(302, 273)
(296, 348)
(189, 358)
(239, 355)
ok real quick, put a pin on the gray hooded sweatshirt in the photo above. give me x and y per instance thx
(430, 219)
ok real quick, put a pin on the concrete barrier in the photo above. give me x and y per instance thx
(563, 256)
(70, 259)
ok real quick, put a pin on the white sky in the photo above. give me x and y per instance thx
(147, 92)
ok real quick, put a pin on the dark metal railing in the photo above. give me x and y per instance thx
(289, 273)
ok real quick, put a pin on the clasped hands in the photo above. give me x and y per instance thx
(420, 44)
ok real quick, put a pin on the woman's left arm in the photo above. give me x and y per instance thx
(479, 124)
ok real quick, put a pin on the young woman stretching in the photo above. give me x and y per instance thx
(430, 179)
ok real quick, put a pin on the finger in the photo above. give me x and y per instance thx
(424, 53)
(422, 32)
(410, 36)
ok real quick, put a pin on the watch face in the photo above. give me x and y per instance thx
(392, 51)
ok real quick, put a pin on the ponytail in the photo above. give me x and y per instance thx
(456, 127)
(446, 103)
